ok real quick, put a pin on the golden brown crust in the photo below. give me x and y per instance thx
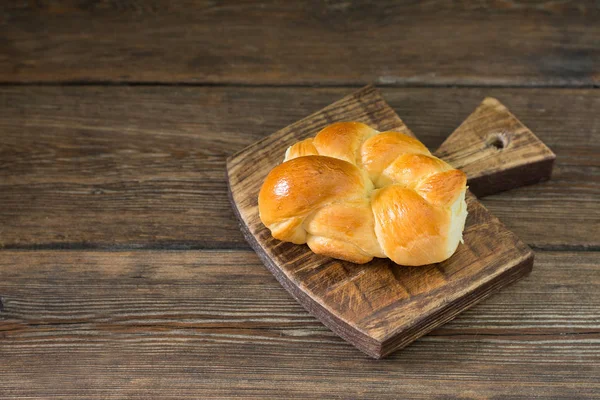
(323, 195)
(343, 140)
(351, 222)
(301, 149)
(409, 228)
(380, 150)
(338, 249)
(303, 184)
(410, 169)
(444, 188)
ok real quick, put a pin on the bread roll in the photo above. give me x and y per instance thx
(354, 193)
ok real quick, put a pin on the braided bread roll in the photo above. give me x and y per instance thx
(354, 193)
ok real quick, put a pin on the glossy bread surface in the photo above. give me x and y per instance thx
(354, 193)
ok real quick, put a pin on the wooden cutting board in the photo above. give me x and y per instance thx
(380, 306)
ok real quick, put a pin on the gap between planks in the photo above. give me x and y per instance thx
(316, 85)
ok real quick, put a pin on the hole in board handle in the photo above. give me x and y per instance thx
(498, 141)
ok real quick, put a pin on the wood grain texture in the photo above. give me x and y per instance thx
(144, 167)
(184, 324)
(496, 151)
(434, 42)
(378, 307)
(111, 167)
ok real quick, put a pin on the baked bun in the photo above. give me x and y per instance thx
(354, 193)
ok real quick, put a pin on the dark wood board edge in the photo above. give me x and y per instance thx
(362, 341)
(451, 310)
(508, 179)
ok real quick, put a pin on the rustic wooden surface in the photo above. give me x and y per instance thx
(214, 324)
(156, 153)
(433, 42)
(380, 307)
(156, 293)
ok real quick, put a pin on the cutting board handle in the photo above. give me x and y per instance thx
(496, 151)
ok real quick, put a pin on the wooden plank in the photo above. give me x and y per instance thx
(380, 307)
(217, 324)
(139, 167)
(388, 43)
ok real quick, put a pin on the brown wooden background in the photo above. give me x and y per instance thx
(122, 271)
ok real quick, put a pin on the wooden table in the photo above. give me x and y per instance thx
(123, 273)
